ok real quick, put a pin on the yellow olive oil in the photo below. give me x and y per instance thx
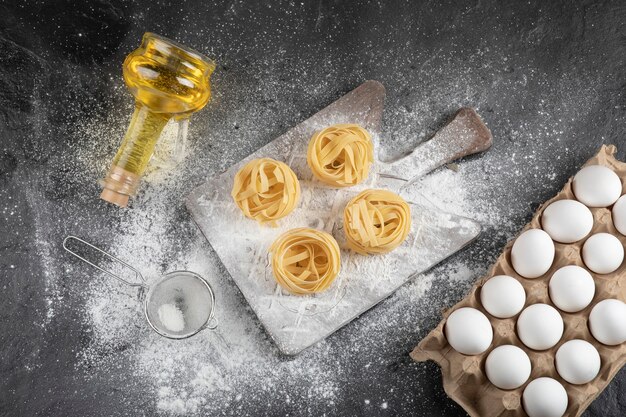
(169, 81)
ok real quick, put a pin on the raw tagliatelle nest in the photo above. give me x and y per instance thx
(341, 155)
(305, 261)
(266, 190)
(376, 221)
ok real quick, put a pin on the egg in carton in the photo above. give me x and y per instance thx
(464, 376)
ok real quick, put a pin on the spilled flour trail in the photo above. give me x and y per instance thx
(237, 367)
(216, 371)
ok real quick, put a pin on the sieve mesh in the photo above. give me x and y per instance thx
(179, 305)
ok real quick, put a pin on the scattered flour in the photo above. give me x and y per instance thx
(210, 371)
(219, 372)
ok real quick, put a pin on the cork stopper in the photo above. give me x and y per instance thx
(114, 197)
(119, 185)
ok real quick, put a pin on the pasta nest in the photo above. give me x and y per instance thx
(305, 261)
(376, 221)
(341, 155)
(266, 190)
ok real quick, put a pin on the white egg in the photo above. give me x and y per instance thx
(532, 253)
(607, 322)
(567, 221)
(603, 253)
(572, 288)
(502, 296)
(507, 367)
(597, 186)
(540, 326)
(468, 331)
(577, 361)
(544, 397)
(619, 215)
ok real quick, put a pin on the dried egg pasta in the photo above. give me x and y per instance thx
(266, 190)
(341, 155)
(305, 261)
(376, 221)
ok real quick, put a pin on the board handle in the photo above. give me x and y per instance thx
(466, 134)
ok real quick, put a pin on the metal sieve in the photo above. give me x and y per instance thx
(178, 305)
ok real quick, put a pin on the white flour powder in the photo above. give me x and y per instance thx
(217, 372)
(171, 317)
(212, 371)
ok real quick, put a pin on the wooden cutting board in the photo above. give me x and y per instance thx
(297, 322)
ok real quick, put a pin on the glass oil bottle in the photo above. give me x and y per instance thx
(169, 82)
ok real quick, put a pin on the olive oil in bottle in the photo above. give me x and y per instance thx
(169, 81)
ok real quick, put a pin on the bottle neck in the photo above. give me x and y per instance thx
(133, 156)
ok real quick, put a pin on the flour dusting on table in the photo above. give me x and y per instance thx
(216, 370)
(219, 372)
(238, 364)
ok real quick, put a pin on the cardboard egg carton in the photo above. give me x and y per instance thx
(464, 377)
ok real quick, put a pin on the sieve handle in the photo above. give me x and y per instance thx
(108, 255)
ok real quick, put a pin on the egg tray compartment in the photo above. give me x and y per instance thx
(464, 377)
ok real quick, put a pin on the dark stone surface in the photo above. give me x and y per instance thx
(549, 78)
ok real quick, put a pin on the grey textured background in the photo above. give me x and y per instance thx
(548, 78)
